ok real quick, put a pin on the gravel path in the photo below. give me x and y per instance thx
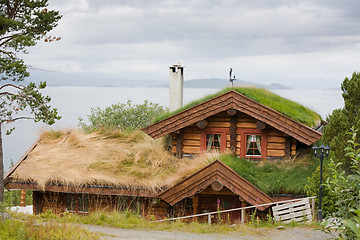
(270, 234)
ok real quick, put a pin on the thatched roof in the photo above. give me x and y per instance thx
(71, 158)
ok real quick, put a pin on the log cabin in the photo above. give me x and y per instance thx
(233, 122)
(97, 172)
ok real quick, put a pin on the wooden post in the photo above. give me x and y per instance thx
(209, 219)
(195, 205)
(23, 198)
(233, 121)
(179, 144)
(313, 207)
(243, 212)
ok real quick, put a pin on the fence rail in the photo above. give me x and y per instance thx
(242, 209)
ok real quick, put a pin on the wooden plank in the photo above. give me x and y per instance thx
(275, 139)
(246, 119)
(192, 136)
(275, 153)
(191, 142)
(219, 119)
(245, 125)
(219, 124)
(275, 146)
(291, 204)
(191, 149)
(294, 211)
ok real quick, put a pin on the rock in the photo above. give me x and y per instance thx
(280, 228)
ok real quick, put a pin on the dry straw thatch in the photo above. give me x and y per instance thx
(72, 158)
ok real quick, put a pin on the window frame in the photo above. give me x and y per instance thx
(223, 132)
(245, 132)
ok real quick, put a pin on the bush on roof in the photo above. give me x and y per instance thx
(124, 116)
(285, 106)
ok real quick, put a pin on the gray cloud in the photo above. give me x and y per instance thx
(140, 38)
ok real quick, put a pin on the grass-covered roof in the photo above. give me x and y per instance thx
(134, 159)
(285, 106)
(112, 158)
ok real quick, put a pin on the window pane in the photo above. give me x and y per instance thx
(253, 145)
(83, 203)
(213, 141)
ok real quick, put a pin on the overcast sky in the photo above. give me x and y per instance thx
(297, 43)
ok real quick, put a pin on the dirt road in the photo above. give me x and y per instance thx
(270, 234)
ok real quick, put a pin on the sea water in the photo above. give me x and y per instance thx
(75, 102)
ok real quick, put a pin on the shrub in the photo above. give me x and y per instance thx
(312, 189)
(124, 116)
(346, 187)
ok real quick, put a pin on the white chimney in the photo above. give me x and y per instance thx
(176, 87)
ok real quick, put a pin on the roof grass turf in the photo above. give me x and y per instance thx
(289, 108)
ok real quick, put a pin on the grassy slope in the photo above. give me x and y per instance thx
(272, 178)
(287, 107)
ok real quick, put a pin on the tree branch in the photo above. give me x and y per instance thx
(11, 85)
(14, 119)
(7, 93)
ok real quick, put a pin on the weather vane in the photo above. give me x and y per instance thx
(232, 78)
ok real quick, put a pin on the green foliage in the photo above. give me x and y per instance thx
(124, 116)
(272, 178)
(354, 225)
(341, 120)
(12, 198)
(312, 189)
(20, 227)
(134, 221)
(23, 24)
(287, 107)
(346, 187)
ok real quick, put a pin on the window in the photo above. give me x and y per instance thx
(213, 139)
(77, 202)
(253, 145)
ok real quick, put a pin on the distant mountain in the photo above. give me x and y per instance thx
(56, 79)
(222, 83)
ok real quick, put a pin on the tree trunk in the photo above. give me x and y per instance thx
(1, 169)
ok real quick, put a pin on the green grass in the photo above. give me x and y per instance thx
(272, 178)
(285, 106)
(129, 220)
(22, 226)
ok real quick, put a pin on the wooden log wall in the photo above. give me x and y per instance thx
(148, 206)
(278, 144)
(49, 201)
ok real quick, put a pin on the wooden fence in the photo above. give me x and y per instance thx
(298, 211)
(243, 210)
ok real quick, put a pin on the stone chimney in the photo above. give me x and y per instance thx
(176, 87)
